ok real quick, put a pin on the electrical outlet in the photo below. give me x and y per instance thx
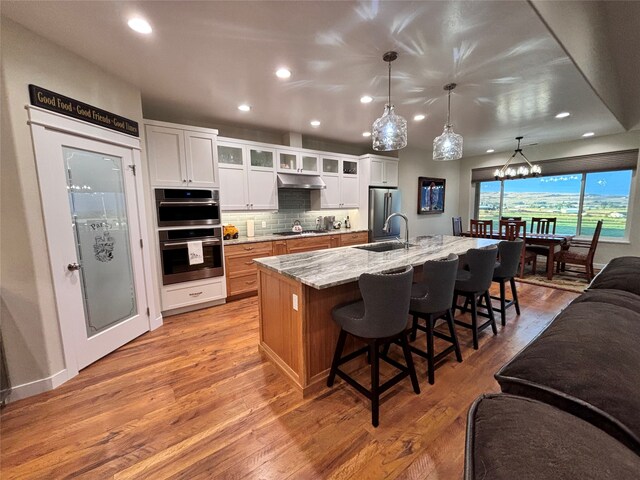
(264, 224)
(295, 302)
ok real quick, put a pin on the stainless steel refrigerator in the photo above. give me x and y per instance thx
(382, 203)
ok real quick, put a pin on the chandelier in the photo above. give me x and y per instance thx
(507, 172)
(389, 132)
(448, 146)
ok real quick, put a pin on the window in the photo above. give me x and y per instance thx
(578, 201)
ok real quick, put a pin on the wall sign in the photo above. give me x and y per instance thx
(55, 102)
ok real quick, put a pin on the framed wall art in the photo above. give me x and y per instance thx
(431, 195)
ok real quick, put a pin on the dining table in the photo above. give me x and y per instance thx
(550, 240)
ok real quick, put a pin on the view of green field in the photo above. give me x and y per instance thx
(606, 198)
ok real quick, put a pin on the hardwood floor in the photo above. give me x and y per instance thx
(194, 399)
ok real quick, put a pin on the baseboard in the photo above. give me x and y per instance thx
(155, 323)
(38, 386)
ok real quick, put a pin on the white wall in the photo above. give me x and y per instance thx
(28, 314)
(606, 249)
(416, 163)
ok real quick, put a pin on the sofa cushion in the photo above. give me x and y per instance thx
(518, 438)
(586, 362)
(615, 297)
(622, 273)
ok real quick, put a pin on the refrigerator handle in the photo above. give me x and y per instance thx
(390, 207)
(386, 206)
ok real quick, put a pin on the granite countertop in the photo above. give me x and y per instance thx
(337, 266)
(271, 237)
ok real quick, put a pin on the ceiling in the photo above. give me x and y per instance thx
(203, 59)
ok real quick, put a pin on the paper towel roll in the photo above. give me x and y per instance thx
(251, 230)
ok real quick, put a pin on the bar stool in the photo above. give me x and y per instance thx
(474, 284)
(431, 300)
(506, 269)
(378, 319)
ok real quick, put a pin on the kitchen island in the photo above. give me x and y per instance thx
(297, 293)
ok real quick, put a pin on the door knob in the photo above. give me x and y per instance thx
(73, 266)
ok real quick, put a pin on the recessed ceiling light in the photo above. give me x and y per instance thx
(366, 134)
(366, 99)
(419, 117)
(588, 134)
(283, 73)
(491, 150)
(563, 115)
(140, 25)
(244, 107)
(315, 123)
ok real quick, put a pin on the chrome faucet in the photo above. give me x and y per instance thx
(387, 228)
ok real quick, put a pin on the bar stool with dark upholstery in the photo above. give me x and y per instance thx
(378, 319)
(506, 269)
(431, 300)
(474, 284)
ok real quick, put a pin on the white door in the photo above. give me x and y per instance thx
(263, 192)
(167, 149)
(89, 201)
(350, 192)
(233, 189)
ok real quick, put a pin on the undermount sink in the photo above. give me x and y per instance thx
(383, 247)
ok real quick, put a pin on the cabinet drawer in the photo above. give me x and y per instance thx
(243, 284)
(243, 265)
(354, 238)
(308, 244)
(179, 296)
(259, 248)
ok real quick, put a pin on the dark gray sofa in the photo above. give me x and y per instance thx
(585, 363)
(510, 437)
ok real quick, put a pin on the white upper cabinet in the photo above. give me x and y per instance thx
(247, 176)
(179, 157)
(340, 174)
(380, 171)
(297, 161)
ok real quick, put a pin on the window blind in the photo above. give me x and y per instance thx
(599, 162)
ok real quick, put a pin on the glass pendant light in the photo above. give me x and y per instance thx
(389, 132)
(448, 146)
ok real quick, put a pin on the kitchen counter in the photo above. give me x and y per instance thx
(271, 237)
(297, 292)
(337, 266)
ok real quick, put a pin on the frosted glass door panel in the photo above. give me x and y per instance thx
(261, 158)
(101, 227)
(309, 164)
(230, 155)
(330, 165)
(288, 161)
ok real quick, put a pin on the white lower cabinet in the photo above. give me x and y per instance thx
(191, 293)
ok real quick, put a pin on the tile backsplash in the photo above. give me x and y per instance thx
(292, 205)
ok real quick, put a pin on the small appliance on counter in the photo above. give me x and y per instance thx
(347, 222)
(337, 225)
(328, 222)
(297, 227)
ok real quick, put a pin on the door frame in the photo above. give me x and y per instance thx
(40, 121)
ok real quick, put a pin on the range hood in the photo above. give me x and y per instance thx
(307, 182)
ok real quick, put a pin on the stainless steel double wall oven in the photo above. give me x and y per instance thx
(186, 215)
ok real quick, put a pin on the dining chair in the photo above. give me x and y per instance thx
(481, 228)
(378, 319)
(512, 229)
(518, 219)
(579, 252)
(457, 226)
(545, 226)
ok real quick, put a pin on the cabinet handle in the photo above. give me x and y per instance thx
(384, 181)
(250, 282)
(184, 181)
(190, 180)
(248, 248)
(249, 263)
(195, 294)
(252, 205)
